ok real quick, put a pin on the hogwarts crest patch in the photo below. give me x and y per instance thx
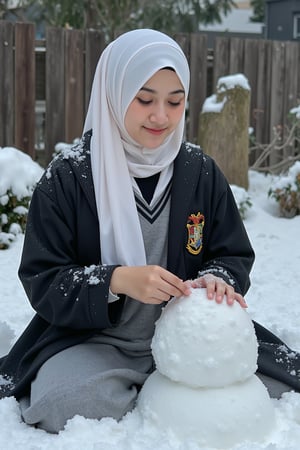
(195, 227)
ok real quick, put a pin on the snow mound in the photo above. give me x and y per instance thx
(216, 417)
(201, 343)
(18, 172)
(6, 336)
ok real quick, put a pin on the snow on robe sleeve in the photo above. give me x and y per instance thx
(60, 267)
(276, 359)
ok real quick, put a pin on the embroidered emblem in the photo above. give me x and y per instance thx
(195, 233)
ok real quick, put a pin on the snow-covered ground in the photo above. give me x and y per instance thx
(273, 300)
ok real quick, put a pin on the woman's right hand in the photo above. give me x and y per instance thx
(147, 284)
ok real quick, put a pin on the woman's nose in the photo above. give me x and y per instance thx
(159, 114)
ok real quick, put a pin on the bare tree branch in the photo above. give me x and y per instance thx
(280, 147)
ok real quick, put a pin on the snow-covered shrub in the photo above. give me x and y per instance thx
(295, 112)
(242, 200)
(13, 212)
(18, 177)
(286, 191)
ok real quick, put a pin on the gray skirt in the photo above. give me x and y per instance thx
(92, 379)
(98, 378)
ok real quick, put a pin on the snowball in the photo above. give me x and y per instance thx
(202, 343)
(214, 417)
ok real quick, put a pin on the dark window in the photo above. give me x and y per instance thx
(297, 26)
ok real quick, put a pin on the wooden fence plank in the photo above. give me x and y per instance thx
(55, 90)
(184, 40)
(94, 45)
(74, 84)
(298, 88)
(277, 90)
(262, 112)
(6, 84)
(221, 59)
(236, 56)
(198, 87)
(250, 71)
(291, 78)
(25, 87)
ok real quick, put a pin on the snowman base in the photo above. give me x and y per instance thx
(214, 417)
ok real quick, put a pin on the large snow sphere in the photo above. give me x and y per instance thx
(202, 343)
(214, 417)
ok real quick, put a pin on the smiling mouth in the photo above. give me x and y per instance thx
(155, 131)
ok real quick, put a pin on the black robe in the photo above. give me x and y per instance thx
(68, 287)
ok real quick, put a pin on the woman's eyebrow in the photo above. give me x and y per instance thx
(178, 91)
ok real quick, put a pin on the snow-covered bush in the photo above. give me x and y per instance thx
(286, 191)
(18, 177)
(13, 212)
(242, 200)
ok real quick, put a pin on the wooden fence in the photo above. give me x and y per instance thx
(65, 63)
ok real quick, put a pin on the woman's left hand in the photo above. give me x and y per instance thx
(217, 288)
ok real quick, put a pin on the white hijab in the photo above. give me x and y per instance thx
(123, 68)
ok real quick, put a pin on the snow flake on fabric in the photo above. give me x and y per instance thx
(76, 151)
(96, 274)
(288, 358)
(192, 147)
(6, 384)
(194, 150)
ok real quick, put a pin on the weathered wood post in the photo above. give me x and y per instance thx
(6, 84)
(223, 128)
(24, 88)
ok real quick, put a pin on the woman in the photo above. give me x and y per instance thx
(126, 220)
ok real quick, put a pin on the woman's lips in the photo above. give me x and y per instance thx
(155, 131)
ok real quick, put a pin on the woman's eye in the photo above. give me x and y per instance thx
(143, 102)
(148, 102)
(174, 103)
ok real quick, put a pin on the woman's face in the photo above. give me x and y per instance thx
(156, 110)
